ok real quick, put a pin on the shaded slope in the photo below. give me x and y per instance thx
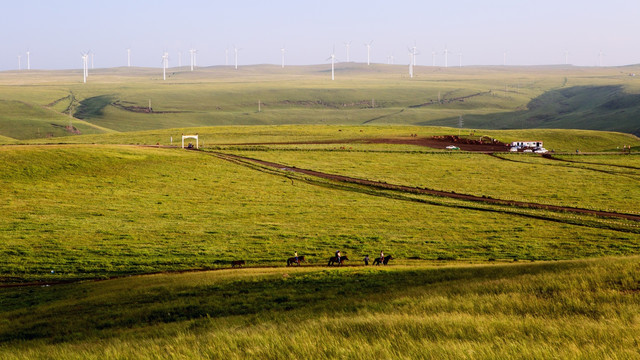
(20, 120)
(607, 108)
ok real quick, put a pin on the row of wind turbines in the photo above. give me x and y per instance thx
(412, 52)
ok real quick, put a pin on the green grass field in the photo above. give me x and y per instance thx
(110, 248)
(576, 309)
(87, 211)
(487, 97)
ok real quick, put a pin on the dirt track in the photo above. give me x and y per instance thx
(416, 190)
(418, 141)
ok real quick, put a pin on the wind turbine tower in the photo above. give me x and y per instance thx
(410, 64)
(128, 57)
(460, 56)
(28, 60)
(600, 58)
(412, 59)
(566, 57)
(504, 58)
(347, 45)
(192, 52)
(333, 60)
(369, 52)
(85, 70)
(282, 51)
(235, 49)
(19, 62)
(446, 57)
(165, 64)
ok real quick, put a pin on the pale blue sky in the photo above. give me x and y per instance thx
(532, 32)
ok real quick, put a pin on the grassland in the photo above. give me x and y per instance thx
(158, 226)
(512, 177)
(87, 211)
(487, 97)
(576, 309)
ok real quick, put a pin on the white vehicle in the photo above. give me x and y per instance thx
(541, 151)
(513, 149)
(528, 150)
(453, 147)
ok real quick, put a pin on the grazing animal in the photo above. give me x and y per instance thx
(334, 259)
(292, 260)
(385, 261)
(238, 263)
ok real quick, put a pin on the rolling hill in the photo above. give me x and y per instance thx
(118, 99)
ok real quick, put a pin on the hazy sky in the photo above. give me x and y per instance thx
(531, 32)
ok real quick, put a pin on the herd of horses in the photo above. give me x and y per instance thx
(332, 261)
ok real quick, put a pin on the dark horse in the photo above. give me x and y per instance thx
(292, 260)
(235, 263)
(385, 261)
(334, 259)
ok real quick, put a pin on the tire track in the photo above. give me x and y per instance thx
(417, 190)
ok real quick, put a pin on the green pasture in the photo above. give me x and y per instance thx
(271, 135)
(92, 211)
(570, 309)
(509, 177)
(486, 97)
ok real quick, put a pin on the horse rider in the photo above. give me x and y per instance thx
(381, 257)
(338, 256)
(295, 255)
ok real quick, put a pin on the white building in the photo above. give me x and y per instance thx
(527, 144)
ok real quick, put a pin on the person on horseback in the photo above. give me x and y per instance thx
(338, 256)
(381, 257)
(295, 255)
(366, 260)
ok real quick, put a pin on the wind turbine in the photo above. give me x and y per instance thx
(333, 60)
(128, 57)
(347, 45)
(566, 57)
(235, 49)
(193, 57)
(600, 58)
(28, 60)
(369, 52)
(446, 57)
(412, 57)
(85, 70)
(165, 65)
(282, 51)
(460, 56)
(19, 62)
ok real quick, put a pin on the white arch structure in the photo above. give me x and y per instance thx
(190, 137)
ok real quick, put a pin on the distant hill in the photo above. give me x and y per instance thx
(581, 107)
(36, 104)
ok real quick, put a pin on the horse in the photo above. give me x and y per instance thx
(238, 263)
(292, 260)
(385, 261)
(334, 259)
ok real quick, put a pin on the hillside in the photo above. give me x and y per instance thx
(568, 309)
(486, 97)
(93, 211)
